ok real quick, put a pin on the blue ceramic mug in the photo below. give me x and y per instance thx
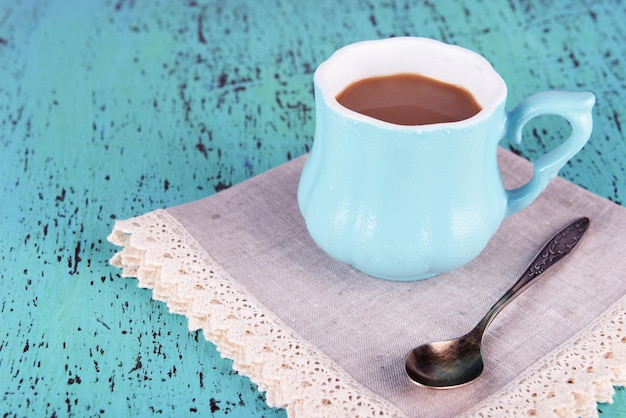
(409, 202)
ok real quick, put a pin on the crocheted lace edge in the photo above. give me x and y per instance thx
(164, 257)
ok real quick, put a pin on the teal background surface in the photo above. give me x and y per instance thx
(112, 108)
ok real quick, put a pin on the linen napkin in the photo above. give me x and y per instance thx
(323, 339)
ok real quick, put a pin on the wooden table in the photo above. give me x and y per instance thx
(112, 108)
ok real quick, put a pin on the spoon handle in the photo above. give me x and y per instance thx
(559, 246)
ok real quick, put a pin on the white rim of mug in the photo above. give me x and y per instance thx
(488, 107)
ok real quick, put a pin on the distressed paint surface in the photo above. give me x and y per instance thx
(109, 109)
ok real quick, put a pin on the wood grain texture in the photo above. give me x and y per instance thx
(109, 109)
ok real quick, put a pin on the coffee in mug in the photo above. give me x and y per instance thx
(409, 99)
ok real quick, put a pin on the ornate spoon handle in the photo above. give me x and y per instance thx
(555, 249)
(559, 246)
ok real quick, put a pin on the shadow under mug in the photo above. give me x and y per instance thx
(410, 202)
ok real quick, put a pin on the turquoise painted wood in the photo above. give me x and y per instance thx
(112, 108)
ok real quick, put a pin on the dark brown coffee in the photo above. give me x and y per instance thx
(409, 99)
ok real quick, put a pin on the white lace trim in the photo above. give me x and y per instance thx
(570, 380)
(295, 376)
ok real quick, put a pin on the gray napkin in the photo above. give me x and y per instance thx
(366, 325)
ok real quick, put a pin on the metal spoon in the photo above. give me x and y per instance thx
(446, 364)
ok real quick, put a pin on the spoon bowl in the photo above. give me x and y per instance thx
(438, 364)
(457, 362)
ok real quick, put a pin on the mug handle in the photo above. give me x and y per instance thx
(575, 107)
